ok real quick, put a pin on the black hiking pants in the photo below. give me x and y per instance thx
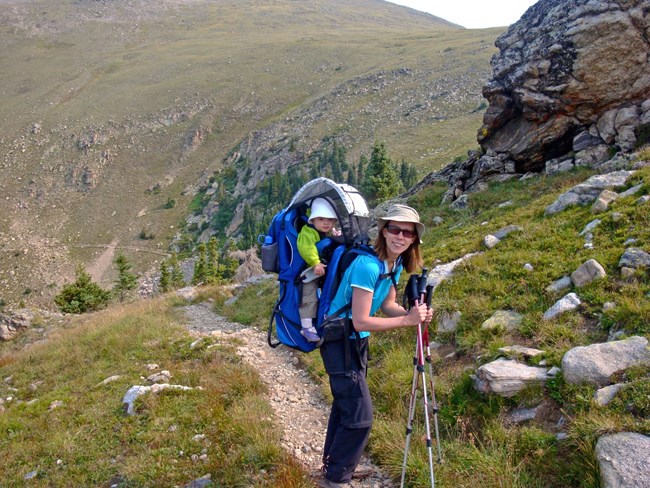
(350, 419)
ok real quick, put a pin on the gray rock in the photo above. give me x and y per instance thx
(448, 322)
(605, 126)
(161, 377)
(603, 396)
(588, 272)
(504, 231)
(11, 325)
(202, 482)
(559, 285)
(490, 241)
(460, 203)
(631, 191)
(538, 68)
(443, 272)
(520, 415)
(506, 319)
(586, 192)
(596, 363)
(507, 377)
(633, 257)
(602, 202)
(569, 302)
(590, 226)
(623, 460)
(585, 140)
(555, 166)
(135, 391)
(188, 293)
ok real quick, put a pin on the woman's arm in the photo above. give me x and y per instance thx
(390, 306)
(361, 303)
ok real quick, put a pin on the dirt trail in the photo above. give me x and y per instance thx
(100, 265)
(300, 408)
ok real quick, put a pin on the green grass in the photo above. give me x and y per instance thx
(89, 439)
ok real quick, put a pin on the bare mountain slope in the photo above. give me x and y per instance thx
(111, 110)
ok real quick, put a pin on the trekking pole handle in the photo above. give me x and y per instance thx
(422, 284)
(412, 290)
(429, 295)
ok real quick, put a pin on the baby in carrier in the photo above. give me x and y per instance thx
(322, 220)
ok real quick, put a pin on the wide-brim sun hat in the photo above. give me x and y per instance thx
(401, 213)
(321, 208)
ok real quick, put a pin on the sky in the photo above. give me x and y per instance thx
(473, 14)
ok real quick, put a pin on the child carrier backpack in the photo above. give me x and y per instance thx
(280, 255)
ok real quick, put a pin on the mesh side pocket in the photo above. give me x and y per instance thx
(270, 258)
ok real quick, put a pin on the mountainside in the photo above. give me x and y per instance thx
(110, 110)
(537, 246)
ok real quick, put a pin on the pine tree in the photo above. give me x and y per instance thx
(381, 181)
(229, 264)
(177, 279)
(407, 174)
(126, 281)
(361, 167)
(352, 176)
(83, 295)
(199, 265)
(165, 277)
(248, 227)
(212, 267)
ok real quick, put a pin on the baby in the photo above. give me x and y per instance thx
(322, 220)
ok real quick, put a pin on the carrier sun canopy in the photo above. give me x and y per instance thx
(349, 204)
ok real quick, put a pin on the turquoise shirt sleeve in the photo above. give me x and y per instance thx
(307, 239)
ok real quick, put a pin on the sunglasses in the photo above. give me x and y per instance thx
(395, 230)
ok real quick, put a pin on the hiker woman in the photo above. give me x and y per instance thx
(369, 285)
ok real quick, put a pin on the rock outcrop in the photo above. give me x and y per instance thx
(571, 74)
(570, 87)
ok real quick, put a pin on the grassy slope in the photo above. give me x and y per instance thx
(88, 440)
(479, 449)
(120, 70)
(96, 442)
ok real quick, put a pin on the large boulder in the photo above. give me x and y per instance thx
(559, 69)
(596, 363)
(507, 377)
(623, 460)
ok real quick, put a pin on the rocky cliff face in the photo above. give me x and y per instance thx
(570, 85)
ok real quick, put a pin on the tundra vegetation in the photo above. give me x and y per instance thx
(88, 439)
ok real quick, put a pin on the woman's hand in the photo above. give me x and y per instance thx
(418, 314)
(429, 316)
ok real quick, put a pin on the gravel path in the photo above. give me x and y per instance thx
(300, 408)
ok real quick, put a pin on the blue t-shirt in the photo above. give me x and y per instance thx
(364, 274)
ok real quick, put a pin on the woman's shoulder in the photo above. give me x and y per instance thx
(368, 262)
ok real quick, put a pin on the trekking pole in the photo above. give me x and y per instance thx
(429, 290)
(416, 291)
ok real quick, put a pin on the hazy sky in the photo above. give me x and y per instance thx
(473, 14)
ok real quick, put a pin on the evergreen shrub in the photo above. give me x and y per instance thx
(83, 295)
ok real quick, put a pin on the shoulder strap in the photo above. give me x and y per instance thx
(382, 276)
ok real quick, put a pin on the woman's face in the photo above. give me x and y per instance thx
(396, 241)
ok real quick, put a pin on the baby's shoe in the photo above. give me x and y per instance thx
(310, 334)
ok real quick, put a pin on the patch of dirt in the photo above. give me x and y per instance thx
(98, 267)
(301, 410)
